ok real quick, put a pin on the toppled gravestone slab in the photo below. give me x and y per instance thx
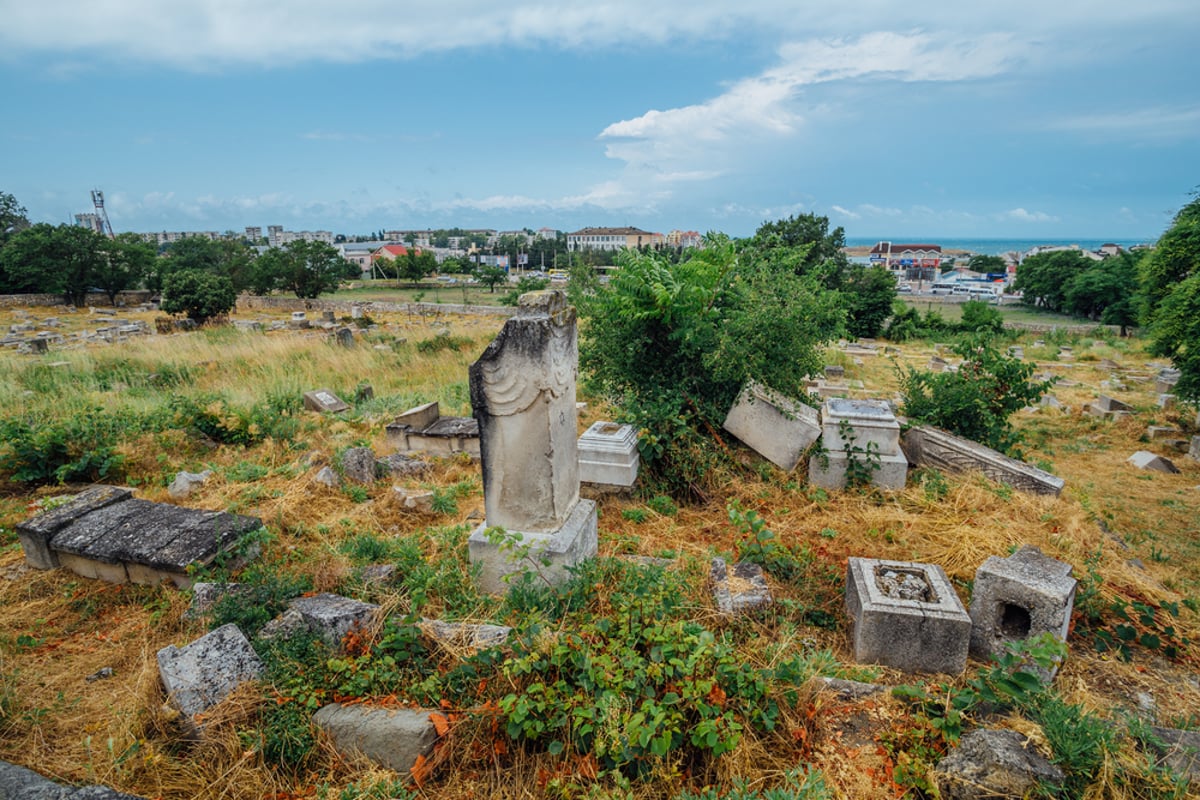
(104, 533)
(1144, 459)
(740, 589)
(932, 447)
(1107, 407)
(324, 400)
(1194, 449)
(206, 595)
(332, 616)
(199, 675)
(993, 764)
(778, 428)
(399, 464)
(18, 783)
(468, 635)
(391, 737)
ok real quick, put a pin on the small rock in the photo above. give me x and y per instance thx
(993, 764)
(100, 674)
(1144, 459)
(327, 477)
(375, 574)
(186, 482)
(414, 499)
(358, 465)
(392, 738)
(399, 464)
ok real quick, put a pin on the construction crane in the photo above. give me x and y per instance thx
(101, 214)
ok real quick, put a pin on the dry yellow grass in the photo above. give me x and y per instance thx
(57, 629)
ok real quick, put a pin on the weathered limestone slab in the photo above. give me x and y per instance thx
(931, 447)
(465, 635)
(324, 400)
(35, 533)
(1194, 449)
(871, 421)
(1154, 432)
(1106, 403)
(993, 764)
(906, 615)
(400, 464)
(424, 430)
(358, 465)
(547, 555)
(105, 534)
(206, 595)
(332, 616)
(835, 372)
(523, 398)
(344, 337)
(1167, 402)
(1166, 380)
(608, 455)
(740, 589)
(1015, 598)
(391, 737)
(828, 471)
(414, 499)
(327, 477)
(185, 482)
(199, 675)
(778, 428)
(18, 783)
(1144, 459)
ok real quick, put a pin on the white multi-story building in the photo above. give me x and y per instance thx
(613, 239)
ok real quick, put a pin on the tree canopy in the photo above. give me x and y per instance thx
(198, 294)
(1171, 298)
(13, 217)
(62, 259)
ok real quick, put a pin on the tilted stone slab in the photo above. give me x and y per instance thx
(106, 534)
(1106, 403)
(778, 428)
(332, 616)
(199, 675)
(1194, 449)
(1144, 459)
(740, 589)
(19, 783)
(324, 400)
(391, 737)
(932, 447)
(906, 615)
(994, 764)
(468, 635)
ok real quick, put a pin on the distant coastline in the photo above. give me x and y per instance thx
(987, 247)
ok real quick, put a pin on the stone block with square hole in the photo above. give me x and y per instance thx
(1015, 598)
(906, 615)
(608, 455)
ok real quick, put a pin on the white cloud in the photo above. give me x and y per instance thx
(1021, 215)
(1156, 123)
(845, 212)
(208, 34)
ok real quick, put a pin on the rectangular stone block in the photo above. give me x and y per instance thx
(1106, 403)
(608, 455)
(420, 417)
(545, 555)
(203, 673)
(828, 471)
(35, 533)
(740, 589)
(324, 400)
(778, 428)
(906, 615)
(1018, 597)
(872, 422)
(931, 447)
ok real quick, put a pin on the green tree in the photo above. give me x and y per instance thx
(124, 261)
(985, 263)
(977, 400)
(415, 265)
(231, 258)
(198, 294)
(13, 217)
(673, 343)
(805, 245)
(310, 269)
(1175, 332)
(1105, 291)
(491, 277)
(1045, 277)
(61, 259)
(1175, 257)
(980, 317)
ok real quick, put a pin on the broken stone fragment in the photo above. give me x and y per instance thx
(740, 589)
(391, 737)
(994, 764)
(186, 482)
(199, 675)
(358, 465)
(1144, 459)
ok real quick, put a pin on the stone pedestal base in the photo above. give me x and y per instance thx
(547, 555)
(828, 471)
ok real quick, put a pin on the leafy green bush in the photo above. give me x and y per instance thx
(199, 295)
(444, 341)
(799, 784)
(673, 343)
(976, 401)
(980, 317)
(74, 448)
(526, 284)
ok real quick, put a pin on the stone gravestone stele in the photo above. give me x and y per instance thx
(931, 447)
(523, 397)
(324, 400)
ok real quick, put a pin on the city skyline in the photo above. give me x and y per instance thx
(1027, 120)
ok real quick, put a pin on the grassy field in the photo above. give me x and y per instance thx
(228, 400)
(951, 311)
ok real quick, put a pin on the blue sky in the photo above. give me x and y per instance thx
(1021, 119)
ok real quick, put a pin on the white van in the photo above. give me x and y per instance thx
(942, 288)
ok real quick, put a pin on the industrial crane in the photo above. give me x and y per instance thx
(101, 214)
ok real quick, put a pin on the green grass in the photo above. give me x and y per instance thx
(952, 312)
